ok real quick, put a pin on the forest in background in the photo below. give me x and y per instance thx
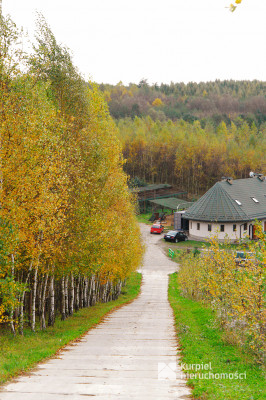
(188, 156)
(211, 102)
(68, 232)
(190, 135)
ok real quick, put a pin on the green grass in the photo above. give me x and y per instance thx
(20, 353)
(191, 244)
(203, 244)
(202, 341)
(194, 246)
(144, 218)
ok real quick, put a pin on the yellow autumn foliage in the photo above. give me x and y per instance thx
(235, 291)
(157, 102)
(67, 217)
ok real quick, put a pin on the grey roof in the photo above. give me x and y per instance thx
(171, 202)
(219, 203)
(148, 188)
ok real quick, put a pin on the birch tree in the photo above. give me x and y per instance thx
(61, 175)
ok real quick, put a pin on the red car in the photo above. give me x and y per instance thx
(157, 228)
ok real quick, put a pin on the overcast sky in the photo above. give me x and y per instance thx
(161, 41)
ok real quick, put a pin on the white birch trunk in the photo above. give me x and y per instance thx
(85, 295)
(77, 295)
(66, 297)
(21, 314)
(81, 293)
(119, 288)
(39, 297)
(111, 291)
(43, 298)
(72, 293)
(12, 308)
(104, 293)
(33, 304)
(63, 300)
(93, 297)
(51, 318)
(98, 288)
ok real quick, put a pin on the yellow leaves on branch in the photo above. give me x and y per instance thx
(233, 7)
(65, 205)
(3, 317)
(236, 292)
(157, 102)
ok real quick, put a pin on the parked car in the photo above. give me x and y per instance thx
(175, 236)
(157, 228)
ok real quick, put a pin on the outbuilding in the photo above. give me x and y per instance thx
(229, 209)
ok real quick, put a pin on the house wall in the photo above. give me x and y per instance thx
(203, 233)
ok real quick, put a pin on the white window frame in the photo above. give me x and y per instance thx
(255, 200)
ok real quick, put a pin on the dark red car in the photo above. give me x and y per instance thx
(157, 228)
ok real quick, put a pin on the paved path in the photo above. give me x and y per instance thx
(119, 358)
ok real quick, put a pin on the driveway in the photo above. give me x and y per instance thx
(131, 354)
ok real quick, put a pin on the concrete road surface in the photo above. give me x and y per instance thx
(130, 355)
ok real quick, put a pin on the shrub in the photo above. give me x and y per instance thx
(235, 291)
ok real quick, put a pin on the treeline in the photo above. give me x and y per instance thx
(188, 156)
(213, 102)
(68, 234)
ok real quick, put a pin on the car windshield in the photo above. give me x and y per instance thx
(172, 233)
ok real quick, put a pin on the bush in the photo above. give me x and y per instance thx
(235, 291)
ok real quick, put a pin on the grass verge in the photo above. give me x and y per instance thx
(144, 218)
(201, 244)
(201, 340)
(20, 353)
(190, 244)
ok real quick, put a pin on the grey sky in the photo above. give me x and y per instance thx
(162, 41)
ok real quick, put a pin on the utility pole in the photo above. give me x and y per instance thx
(0, 7)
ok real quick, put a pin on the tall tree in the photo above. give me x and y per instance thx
(61, 174)
(52, 63)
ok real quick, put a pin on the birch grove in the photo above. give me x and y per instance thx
(68, 234)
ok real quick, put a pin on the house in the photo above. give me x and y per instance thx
(229, 209)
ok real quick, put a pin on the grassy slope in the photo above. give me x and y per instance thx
(18, 354)
(202, 341)
(144, 218)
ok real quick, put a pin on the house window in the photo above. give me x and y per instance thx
(222, 228)
(238, 202)
(209, 227)
(234, 227)
(255, 200)
(245, 226)
(198, 226)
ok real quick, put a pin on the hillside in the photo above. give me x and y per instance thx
(214, 101)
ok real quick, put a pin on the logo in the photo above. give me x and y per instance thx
(167, 371)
